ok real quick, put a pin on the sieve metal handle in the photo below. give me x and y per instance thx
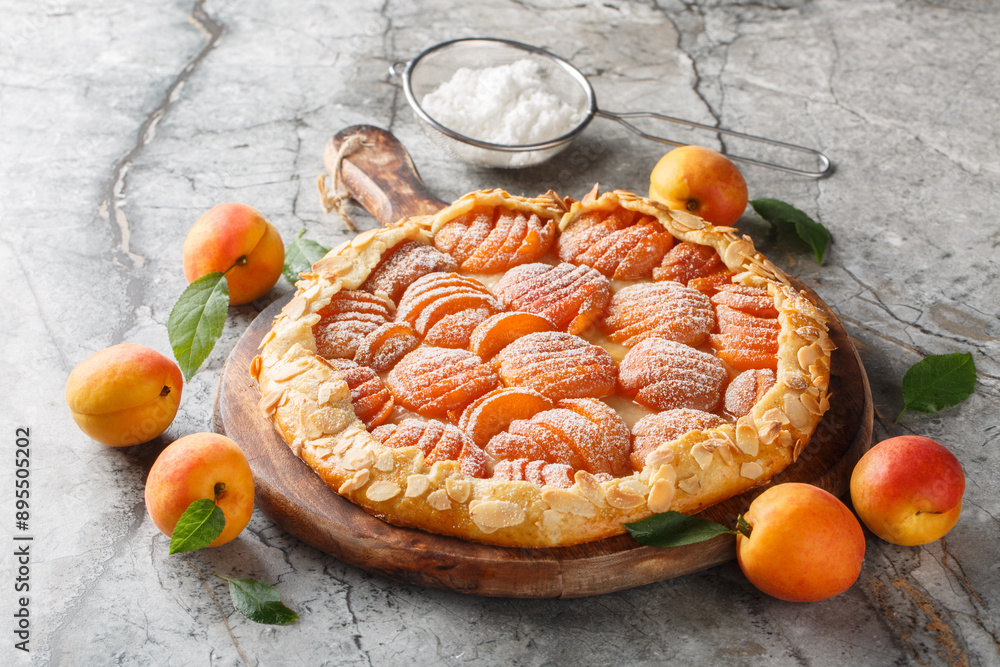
(826, 167)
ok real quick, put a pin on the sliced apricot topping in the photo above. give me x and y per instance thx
(654, 430)
(372, 401)
(557, 365)
(500, 330)
(445, 308)
(687, 261)
(493, 412)
(663, 375)
(438, 442)
(746, 389)
(711, 283)
(350, 316)
(621, 244)
(536, 472)
(570, 297)
(383, 347)
(490, 241)
(751, 300)
(433, 380)
(662, 310)
(406, 262)
(745, 341)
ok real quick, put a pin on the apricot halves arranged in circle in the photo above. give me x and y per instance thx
(571, 297)
(433, 380)
(663, 375)
(557, 365)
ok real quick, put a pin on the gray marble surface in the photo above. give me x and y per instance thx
(120, 123)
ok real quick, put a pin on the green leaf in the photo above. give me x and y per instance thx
(938, 381)
(300, 255)
(673, 529)
(786, 217)
(258, 601)
(201, 523)
(196, 321)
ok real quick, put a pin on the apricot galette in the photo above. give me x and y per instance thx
(538, 372)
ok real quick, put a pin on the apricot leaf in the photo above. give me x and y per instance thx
(197, 320)
(258, 601)
(938, 381)
(673, 529)
(785, 217)
(202, 522)
(300, 255)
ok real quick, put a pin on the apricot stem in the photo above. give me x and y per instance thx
(240, 261)
(220, 490)
(165, 391)
(742, 527)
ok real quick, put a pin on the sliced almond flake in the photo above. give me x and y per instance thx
(687, 221)
(382, 490)
(796, 381)
(255, 365)
(569, 502)
(768, 432)
(551, 519)
(800, 444)
(359, 479)
(385, 461)
(702, 456)
(751, 470)
(661, 496)
(690, 485)
(726, 453)
(324, 394)
(746, 439)
(624, 499)
(665, 472)
(362, 239)
(735, 253)
(824, 403)
(342, 446)
(329, 420)
(311, 293)
(295, 308)
(268, 337)
(659, 456)
(590, 488)
(821, 380)
(439, 500)
(775, 415)
(458, 489)
(296, 446)
(826, 344)
(808, 355)
(311, 429)
(634, 485)
(798, 416)
(784, 439)
(417, 485)
(268, 404)
(493, 514)
(331, 266)
(724, 230)
(340, 247)
(359, 457)
(286, 370)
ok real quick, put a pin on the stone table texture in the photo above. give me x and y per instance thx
(121, 123)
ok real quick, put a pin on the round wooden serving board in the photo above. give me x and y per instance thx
(295, 498)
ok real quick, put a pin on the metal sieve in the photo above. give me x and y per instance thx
(437, 64)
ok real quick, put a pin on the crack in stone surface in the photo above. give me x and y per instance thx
(111, 208)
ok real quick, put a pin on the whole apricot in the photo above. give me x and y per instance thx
(124, 394)
(235, 239)
(908, 490)
(701, 181)
(804, 544)
(201, 465)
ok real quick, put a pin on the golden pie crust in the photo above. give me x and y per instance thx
(309, 403)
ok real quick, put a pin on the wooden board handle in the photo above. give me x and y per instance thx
(379, 173)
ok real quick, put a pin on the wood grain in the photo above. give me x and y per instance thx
(297, 500)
